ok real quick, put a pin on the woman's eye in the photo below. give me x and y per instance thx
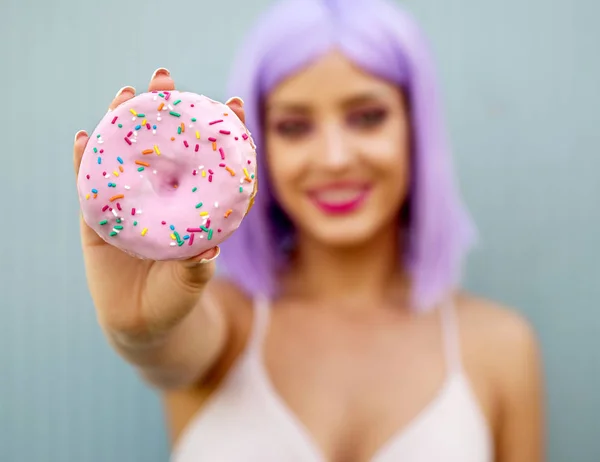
(368, 118)
(292, 128)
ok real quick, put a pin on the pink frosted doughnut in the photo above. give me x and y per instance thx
(167, 175)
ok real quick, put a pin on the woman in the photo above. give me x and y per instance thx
(337, 332)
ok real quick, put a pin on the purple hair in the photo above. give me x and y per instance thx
(385, 41)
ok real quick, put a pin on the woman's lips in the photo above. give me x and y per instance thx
(340, 198)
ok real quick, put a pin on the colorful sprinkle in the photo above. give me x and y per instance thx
(156, 150)
(103, 222)
(144, 231)
(173, 113)
(119, 160)
(114, 120)
(215, 122)
(145, 164)
(118, 196)
(198, 205)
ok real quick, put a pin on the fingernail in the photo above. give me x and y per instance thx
(160, 71)
(237, 99)
(124, 89)
(79, 134)
(208, 260)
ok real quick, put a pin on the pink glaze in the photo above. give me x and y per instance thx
(153, 210)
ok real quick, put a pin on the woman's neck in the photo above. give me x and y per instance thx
(357, 276)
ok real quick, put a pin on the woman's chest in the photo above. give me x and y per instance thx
(355, 389)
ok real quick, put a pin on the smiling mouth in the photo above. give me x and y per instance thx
(339, 200)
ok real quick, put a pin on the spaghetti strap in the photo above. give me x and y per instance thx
(261, 316)
(451, 337)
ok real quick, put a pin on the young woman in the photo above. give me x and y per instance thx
(336, 331)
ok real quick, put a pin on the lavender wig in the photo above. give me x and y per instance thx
(385, 41)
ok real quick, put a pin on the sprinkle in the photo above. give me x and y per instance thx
(144, 231)
(119, 220)
(87, 176)
(141, 115)
(215, 122)
(182, 127)
(95, 150)
(246, 173)
(193, 230)
(228, 213)
(245, 137)
(103, 222)
(127, 187)
(241, 189)
(212, 139)
(204, 229)
(114, 212)
(203, 214)
(173, 236)
(128, 141)
(156, 150)
(129, 134)
(194, 189)
(194, 173)
(177, 236)
(191, 241)
(161, 95)
(210, 234)
(216, 205)
(135, 223)
(210, 171)
(119, 227)
(118, 196)
(197, 135)
(95, 191)
(148, 151)
(186, 144)
(114, 120)
(145, 164)
(198, 205)
(230, 171)
(148, 126)
(137, 127)
(120, 160)
(176, 102)
(222, 152)
(214, 146)
(179, 130)
(160, 107)
(196, 148)
(225, 132)
(173, 113)
(119, 207)
(120, 125)
(193, 118)
(208, 223)
(172, 227)
(133, 112)
(140, 169)
(168, 95)
(133, 211)
(143, 121)
(87, 196)
(210, 178)
(121, 168)
(203, 174)
(113, 233)
(105, 208)
(115, 173)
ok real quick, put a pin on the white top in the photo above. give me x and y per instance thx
(246, 420)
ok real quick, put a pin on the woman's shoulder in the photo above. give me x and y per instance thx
(500, 339)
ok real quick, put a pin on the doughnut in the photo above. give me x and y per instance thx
(167, 175)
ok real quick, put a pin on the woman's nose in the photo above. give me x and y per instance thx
(334, 152)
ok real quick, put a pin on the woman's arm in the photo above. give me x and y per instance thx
(521, 432)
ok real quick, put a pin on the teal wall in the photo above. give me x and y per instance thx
(521, 86)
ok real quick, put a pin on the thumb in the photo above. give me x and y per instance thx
(197, 271)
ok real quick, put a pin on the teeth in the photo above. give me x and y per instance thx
(338, 195)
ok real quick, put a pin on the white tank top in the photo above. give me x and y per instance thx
(246, 420)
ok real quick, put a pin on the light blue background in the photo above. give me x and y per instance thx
(521, 86)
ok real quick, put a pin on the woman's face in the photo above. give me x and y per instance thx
(337, 140)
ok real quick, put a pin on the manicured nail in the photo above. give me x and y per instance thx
(124, 89)
(236, 99)
(160, 71)
(205, 260)
(79, 134)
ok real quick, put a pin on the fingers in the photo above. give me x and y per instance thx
(205, 257)
(123, 95)
(161, 80)
(81, 139)
(236, 104)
